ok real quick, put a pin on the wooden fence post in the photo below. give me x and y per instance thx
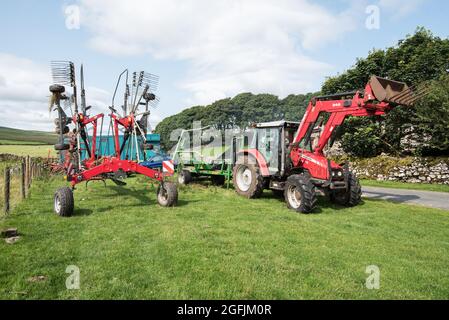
(22, 180)
(28, 173)
(7, 189)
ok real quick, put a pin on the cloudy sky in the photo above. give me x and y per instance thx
(201, 50)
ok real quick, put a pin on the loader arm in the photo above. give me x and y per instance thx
(379, 97)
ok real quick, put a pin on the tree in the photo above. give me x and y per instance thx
(418, 58)
(432, 125)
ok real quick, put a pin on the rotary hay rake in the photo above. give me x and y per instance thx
(91, 165)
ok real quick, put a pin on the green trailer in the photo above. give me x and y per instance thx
(203, 161)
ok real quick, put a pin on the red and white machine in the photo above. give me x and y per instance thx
(96, 166)
(284, 156)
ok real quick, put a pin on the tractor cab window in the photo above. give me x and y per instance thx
(313, 135)
(267, 140)
(289, 136)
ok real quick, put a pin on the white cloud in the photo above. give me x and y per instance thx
(231, 45)
(24, 94)
(23, 91)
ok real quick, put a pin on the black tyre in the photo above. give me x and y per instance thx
(56, 88)
(63, 202)
(167, 194)
(218, 180)
(58, 123)
(350, 197)
(184, 177)
(300, 193)
(247, 180)
(61, 147)
(65, 131)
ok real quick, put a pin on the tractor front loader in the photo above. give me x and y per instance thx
(286, 158)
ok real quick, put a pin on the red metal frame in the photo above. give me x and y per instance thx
(314, 161)
(108, 164)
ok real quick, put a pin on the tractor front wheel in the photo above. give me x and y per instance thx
(300, 193)
(63, 202)
(167, 194)
(350, 197)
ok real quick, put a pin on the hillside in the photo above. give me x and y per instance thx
(17, 136)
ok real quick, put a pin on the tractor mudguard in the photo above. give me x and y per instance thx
(258, 158)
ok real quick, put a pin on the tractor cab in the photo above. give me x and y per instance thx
(272, 141)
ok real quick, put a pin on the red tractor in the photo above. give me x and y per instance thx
(284, 156)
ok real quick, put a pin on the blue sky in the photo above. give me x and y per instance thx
(202, 50)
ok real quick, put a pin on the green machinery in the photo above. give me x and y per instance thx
(213, 160)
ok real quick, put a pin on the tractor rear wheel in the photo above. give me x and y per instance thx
(350, 197)
(63, 202)
(300, 193)
(167, 194)
(247, 180)
(184, 177)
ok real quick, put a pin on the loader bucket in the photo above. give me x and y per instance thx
(394, 92)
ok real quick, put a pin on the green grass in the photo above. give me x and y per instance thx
(216, 245)
(28, 136)
(407, 186)
(14, 142)
(25, 150)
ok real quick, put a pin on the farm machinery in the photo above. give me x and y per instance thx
(211, 162)
(79, 153)
(286, 157)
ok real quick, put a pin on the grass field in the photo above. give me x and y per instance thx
(28, 136)
(25, 150)
(14, 142)
(216, 245)
(407, 186)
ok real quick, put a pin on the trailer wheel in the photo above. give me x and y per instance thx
(351, 197)
(184, 177)
(63, 202)
(167, 194)
(247, 180)
(218, 180)
(300, 193)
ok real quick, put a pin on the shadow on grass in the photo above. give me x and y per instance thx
(141, 195)
(323, 202)
(82, 212)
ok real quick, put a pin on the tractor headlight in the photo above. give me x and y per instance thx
(340, 174)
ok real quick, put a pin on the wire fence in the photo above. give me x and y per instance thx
(18, 176)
